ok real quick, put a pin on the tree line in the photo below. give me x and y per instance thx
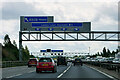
(106, 53)
(10, 51)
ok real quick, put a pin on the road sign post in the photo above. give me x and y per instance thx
(20, 46)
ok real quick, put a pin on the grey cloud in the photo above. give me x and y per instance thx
(111, 11)
(13, 10)
(102, 27)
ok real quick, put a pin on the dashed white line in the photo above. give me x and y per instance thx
(64, 72)
(31, 71)
(14, 76)
(60, 75)
(18, 74)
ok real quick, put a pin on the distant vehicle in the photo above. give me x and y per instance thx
(110, 60)
(116, 60)
(78, 61)
(101, 60)
(94, 59)
(69, 60)
(99, 57)
(87, 59)
(61, 61)
(32, 62)
(55, 61)
(46, 64)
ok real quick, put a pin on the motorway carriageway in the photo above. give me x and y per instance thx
(69, 71)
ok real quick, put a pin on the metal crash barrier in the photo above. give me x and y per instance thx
(106, 65)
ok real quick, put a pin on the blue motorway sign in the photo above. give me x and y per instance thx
(36, 19)
(57, 24)
(62, 26)
(45, 23)
(52, 50)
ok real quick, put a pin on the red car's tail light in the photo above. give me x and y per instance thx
(29, 62)
(52, 64)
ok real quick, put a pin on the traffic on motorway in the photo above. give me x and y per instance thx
(60, 67)
(44, 64)
(50, 64)
(104, 59)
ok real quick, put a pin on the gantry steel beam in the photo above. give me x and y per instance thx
(71, 36)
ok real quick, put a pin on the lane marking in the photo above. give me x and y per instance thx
(64, 72)
(14, 75)
(31, 71)
(103, 73)
(60, 75)
(19, 74)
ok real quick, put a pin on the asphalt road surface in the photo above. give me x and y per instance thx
(69, 71)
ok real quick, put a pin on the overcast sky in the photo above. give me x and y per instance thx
(102, 15)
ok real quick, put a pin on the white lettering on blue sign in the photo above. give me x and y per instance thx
(56, 24)
(35, 19)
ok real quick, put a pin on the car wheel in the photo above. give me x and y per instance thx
(37, 71)
(66, 64)
(81, 64)
(54, 70)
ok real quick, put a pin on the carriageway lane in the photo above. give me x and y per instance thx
(11, 71)
(60, 69)
(68, 71)
(30, 72)
(84, 71)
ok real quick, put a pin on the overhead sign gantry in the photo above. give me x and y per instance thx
(34, 28)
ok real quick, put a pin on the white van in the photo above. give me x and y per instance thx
(116, 60)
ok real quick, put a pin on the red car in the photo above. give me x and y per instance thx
(32, 62)
(46, 64)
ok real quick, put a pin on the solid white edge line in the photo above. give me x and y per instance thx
(64, 72)
(103, 73)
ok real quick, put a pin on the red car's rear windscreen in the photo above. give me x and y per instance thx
(32, 60)
(45, 60)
